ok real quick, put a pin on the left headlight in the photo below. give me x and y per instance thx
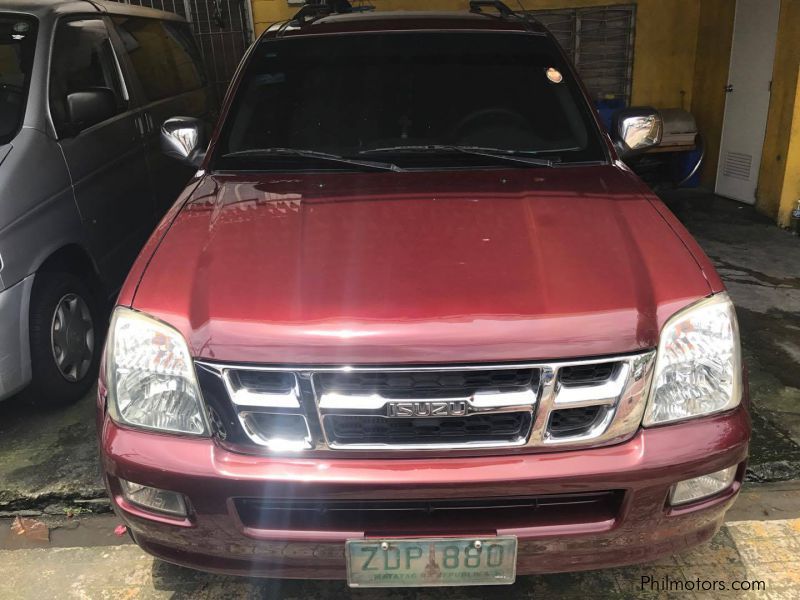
(150, 376)
(698, 368)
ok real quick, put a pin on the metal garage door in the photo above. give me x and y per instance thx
(223, 29)
(600, 42)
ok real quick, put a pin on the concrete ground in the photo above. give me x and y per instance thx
(757, 551)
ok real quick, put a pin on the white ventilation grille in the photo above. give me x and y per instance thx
(738, 165)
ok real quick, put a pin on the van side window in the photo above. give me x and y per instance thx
(163, 55)
(83, 61)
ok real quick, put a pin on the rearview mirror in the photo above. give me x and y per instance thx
(635, 130)
(185, 139)
(89, 107)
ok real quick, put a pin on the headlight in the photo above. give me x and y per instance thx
(150, 376)
(698, 367)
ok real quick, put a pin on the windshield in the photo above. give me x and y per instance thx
(417, 99)
(17, 41)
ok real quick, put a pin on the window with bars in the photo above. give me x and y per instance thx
(222, 30)
(599, 40)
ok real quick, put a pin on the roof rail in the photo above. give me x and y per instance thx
(318, 9)
(504, 12)
(477, 6)
(322, 8)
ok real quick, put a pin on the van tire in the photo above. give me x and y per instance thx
(61, 382)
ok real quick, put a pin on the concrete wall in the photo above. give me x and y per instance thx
(779, 178)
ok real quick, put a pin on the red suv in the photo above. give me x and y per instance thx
(414, 323)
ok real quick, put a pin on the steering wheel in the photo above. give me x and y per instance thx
(488, 117)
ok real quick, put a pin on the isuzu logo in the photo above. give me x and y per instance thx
(433, 408)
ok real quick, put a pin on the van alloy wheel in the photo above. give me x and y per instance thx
(72, 337)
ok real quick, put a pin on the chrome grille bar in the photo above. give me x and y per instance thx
(388, 395)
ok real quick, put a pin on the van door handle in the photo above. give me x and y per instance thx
(144, 125)
(137, 122)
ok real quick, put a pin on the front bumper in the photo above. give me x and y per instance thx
(15, 356)
(638, 528)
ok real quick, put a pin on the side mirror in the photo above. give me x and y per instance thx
(185, 139)
(636, 129)
(89, 107)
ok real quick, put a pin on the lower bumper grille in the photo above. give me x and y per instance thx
(427, 384)
(430, 516)
(509, 428)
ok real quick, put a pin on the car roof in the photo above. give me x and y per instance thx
(392, 21)
(46, 8)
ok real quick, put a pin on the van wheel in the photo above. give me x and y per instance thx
(65, 339)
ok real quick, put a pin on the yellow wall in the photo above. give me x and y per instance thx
(790, 192)
(778, 186)
(666, 30)
(714, 38)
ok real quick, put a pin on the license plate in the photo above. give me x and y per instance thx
(431, 562)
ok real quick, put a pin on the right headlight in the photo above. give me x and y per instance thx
(698, 368)
(150, 376)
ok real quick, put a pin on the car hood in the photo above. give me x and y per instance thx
(345, 268)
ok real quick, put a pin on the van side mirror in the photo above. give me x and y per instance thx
(185, 139)
(635, 130)
(89, 107)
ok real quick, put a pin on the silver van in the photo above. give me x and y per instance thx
(84, 88)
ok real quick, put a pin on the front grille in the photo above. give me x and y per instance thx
(366, 408)
(270, 382)
(573, 421)
(590, 374)
(381, 430)
(426, 384)
(446, 516)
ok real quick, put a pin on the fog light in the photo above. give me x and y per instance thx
(164, 501)
(690, 490)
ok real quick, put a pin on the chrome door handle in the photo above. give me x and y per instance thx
(144, 124)
(139, 124)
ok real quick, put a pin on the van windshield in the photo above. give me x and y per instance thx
(416, 99)
(17, 42)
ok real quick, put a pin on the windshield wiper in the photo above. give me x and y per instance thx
(501, 153)
(312, 154)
